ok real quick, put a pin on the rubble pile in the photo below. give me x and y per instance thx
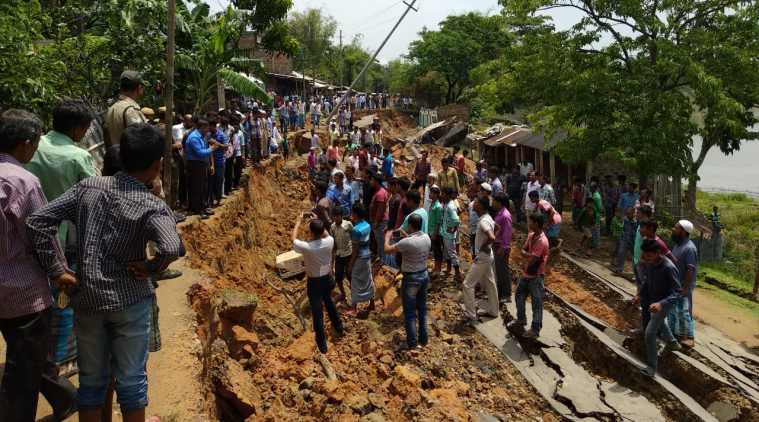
(260, 363)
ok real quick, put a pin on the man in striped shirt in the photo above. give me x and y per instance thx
(24, 288)
(115, 218)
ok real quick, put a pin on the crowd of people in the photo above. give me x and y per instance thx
(364, 213)
(83, 247)
(81, 254)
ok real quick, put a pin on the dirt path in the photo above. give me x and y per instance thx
(175, 393)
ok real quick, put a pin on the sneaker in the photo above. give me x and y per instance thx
(672, 347)
(687, 342)
(484, 313)
(168, 274)
(516, 324)
(505, 301)
(530, 334)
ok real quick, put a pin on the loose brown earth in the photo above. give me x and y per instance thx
(271, 372)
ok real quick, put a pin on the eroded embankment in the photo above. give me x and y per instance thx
(706, 380)
(259, 363)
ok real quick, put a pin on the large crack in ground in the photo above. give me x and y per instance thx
(577, 294)
(267, 370)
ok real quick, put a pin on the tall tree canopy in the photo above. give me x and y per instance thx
(462, 43)
(640, 78)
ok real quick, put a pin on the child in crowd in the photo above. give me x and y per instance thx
(586, 220)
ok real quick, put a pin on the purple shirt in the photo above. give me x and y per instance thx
(24, 287)
(503, 220)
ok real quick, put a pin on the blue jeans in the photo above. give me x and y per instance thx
(379, 238)
(596, 231)
(535, 289)
(680, 318)
(114, 345)
(655, 325)
(623, 245)
(414, 295)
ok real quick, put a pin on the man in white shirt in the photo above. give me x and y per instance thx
(482, 266)
(533, 184)
(317, 257)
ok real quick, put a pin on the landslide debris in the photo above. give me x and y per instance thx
(261, 365)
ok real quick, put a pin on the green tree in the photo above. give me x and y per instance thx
(314, 32)
(213, 55)
(269, 18)
(639, 79)
(462, 43)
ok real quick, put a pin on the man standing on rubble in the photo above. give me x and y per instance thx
(658, 293)
(414, 250)
(317, 257)
(481, 271)
(686, 260)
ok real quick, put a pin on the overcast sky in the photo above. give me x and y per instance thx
(375, 18)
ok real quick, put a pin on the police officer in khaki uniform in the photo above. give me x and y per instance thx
(125, 111)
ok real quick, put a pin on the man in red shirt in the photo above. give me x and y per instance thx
(378, 213)
(535, 250)
(363, 158)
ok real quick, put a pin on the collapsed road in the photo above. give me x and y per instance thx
(259, 361)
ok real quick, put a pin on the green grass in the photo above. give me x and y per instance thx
(740, 218)
(731, 299)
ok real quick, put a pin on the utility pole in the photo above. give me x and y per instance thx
(340, 65)
(374, 56)
(169, 101)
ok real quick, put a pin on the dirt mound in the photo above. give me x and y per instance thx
(275, 373)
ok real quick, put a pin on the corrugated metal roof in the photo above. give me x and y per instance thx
(521, 135)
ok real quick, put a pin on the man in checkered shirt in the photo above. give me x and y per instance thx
(115, 218)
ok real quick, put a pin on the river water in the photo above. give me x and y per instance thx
(736, 172)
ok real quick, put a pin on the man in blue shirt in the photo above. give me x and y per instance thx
(628, 197)
(339, 193)
(197, 155)
(216, 179)
(387, 165)
(680, 317)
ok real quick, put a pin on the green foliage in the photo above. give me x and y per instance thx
(314, 32)
(462, 43)
(740, 217)
(269, 17)
(631, 76)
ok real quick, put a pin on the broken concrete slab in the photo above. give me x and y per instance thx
(577, 386)
(537, 373)
(550, 334)
(236, 306)
(688, 402)
(701, 367)
(629, 404)
(724, 411)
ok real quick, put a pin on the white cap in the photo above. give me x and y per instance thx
(486, 186)
(686, 225)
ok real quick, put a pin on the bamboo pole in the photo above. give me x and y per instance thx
(169, 101)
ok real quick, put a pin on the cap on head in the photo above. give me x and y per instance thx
(132, 76)
(486, 187)
(686, 225)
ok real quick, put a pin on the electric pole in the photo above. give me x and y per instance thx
(169, 101)
(374, 56)
(340, 65)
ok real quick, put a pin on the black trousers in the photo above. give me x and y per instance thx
(197, 184)
(29, 371)
(229, 174)
(239, 165)
(319, 292)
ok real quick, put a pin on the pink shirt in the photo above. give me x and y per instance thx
(333, 153)
(546, 207)
(379, 200)
(24, 287)
(312, 161)
(538, 248)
